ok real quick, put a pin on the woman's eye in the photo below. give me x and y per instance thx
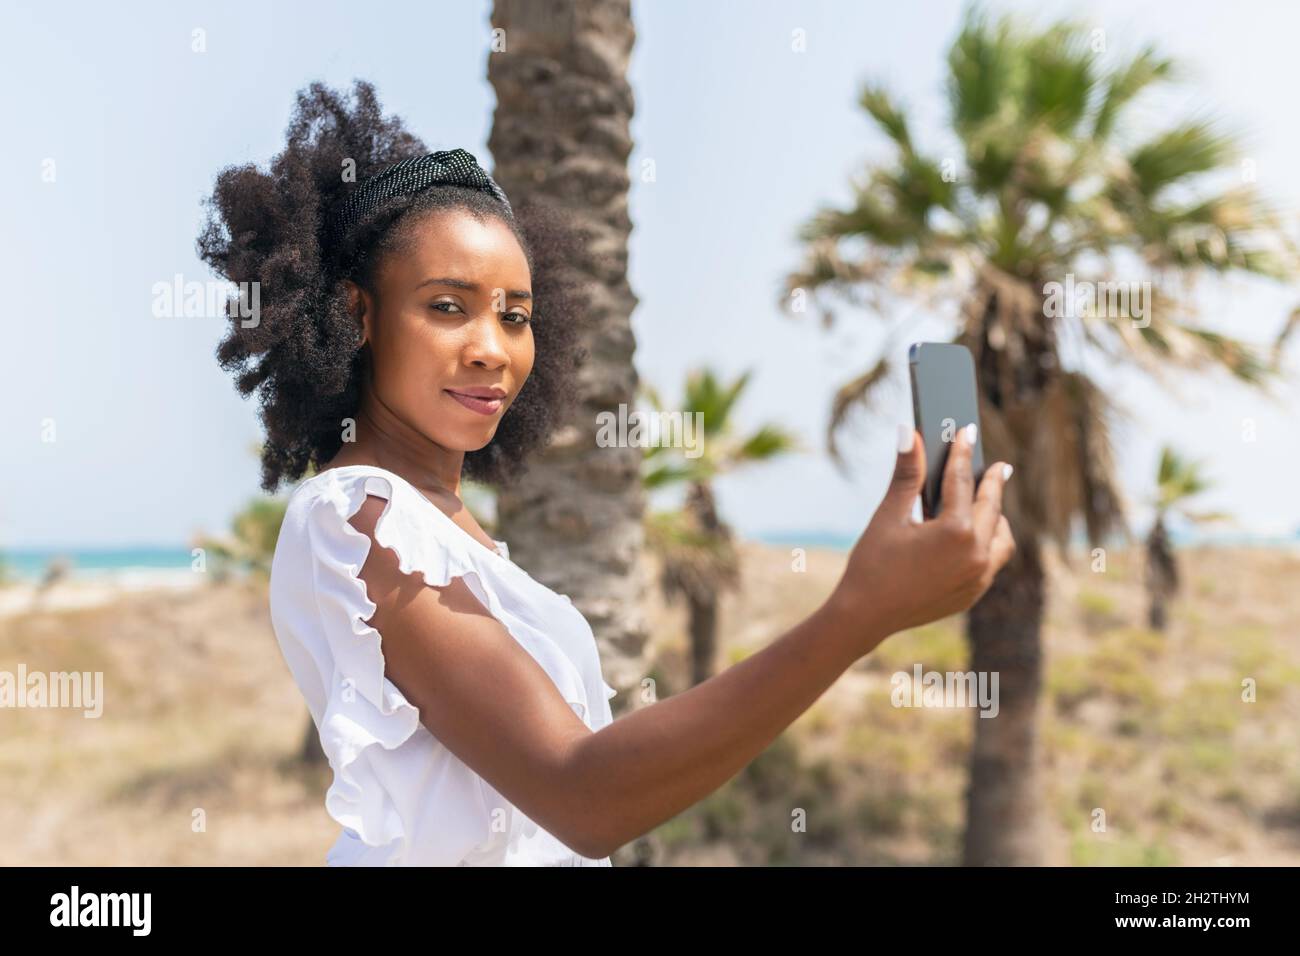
(515, 318)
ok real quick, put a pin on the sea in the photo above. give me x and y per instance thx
(104, 563)
(93, 563)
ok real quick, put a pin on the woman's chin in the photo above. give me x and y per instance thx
(473, 440)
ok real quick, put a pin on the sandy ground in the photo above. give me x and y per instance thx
(25, 597)
(193, 759)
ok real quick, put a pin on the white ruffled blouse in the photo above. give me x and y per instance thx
(400, 796)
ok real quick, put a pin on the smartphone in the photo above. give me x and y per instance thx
(944, 400)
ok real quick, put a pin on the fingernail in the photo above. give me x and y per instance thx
(971, 430)
(906, 436)
(1006, 472)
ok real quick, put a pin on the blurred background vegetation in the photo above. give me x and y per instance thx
(1150, 694)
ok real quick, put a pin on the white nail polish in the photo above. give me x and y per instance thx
(1006, 472)
(971, 430)
(906, 436)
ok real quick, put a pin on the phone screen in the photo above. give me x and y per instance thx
(944, 400)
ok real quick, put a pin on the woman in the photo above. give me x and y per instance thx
(413, 332)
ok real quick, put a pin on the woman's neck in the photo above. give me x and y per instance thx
(384, 440)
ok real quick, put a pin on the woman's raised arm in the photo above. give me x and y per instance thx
(492, 705)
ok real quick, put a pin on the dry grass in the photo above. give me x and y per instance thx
(192, 759)
(1151, 729)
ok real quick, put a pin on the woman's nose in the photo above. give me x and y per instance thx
(486, 345)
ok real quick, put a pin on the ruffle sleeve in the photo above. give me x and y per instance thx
(365, 712)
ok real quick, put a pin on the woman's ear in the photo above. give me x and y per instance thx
(359, 308)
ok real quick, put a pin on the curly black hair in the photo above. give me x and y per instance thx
(303, 354)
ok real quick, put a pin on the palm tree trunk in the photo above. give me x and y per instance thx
(1003, 826)
(703, 606)
(310, 751)
(1157, 613)
(1003, 823)
(561, 133)
(1162, 573)
(704, 637)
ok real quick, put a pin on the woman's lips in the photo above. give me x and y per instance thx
(484, 406)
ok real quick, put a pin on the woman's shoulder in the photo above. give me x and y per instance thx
(321, 508)
(337, 494)
(340, 480)
(319, 519)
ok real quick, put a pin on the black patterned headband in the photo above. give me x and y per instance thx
(453, 167)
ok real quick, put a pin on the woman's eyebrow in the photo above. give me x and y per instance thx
(472, 287)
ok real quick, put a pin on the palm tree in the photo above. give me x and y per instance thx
(251, 542)
(696, 548)
(254, 531)
(250, 545)
(1050, 181)
(561, 136)
(1177, 481)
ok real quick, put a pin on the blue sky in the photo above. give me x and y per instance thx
(747, 139)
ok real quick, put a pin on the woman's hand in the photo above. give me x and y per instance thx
(903, 573)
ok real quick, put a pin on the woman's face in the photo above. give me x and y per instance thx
(448, 328)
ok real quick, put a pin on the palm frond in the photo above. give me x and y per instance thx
(1242, 360)
(1279, 343)
(769, 441)
(982, 66)
(1058, 90)
(695, 563)
(1125, 84)
(665, 463)
(848, 397)
(651, 395)
(664, 476)
(888, 116)
(1077, 461)
(1165, 340)
(1178, 154)
(1178, 479)
(826, 271)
